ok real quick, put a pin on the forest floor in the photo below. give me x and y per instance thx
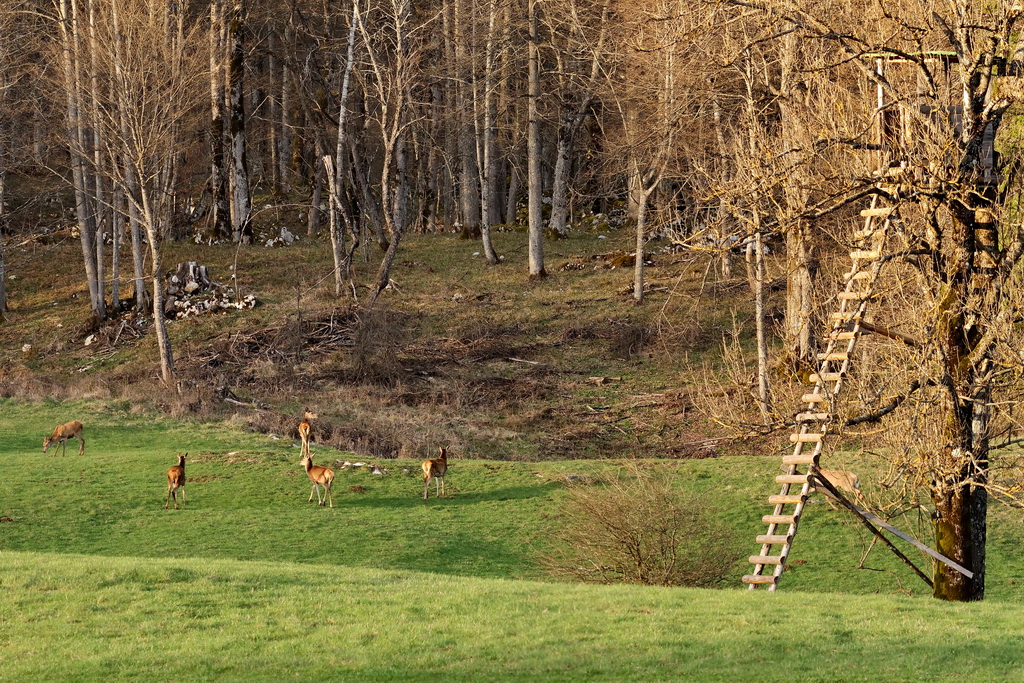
(456, 352)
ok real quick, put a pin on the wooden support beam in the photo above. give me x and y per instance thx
(879, 330)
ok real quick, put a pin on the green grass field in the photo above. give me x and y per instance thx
(251, 581)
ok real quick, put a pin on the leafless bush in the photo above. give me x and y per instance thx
(636, 528)
(627, 339)
(378, 338)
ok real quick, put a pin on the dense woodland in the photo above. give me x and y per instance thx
(720, 126)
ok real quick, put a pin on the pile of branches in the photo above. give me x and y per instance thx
(283, 343)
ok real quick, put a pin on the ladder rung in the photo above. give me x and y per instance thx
(826, 377)
(857, 275)
(765, 559)
(802, 459)
(812, 417)
(813, 398)
(835, 355)
(785, 500)
(864, 255)
(851, 296)
(759, 579)
(779, 519)
(805, 438)
(878, 211)
(791, 479)
(842, 336)
(845, 316)
(772, 539)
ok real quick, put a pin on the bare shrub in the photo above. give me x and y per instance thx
(636, 528)
(628, 339)
(378, 338)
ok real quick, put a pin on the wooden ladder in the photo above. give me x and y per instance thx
(813, 424)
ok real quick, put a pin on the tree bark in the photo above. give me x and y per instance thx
(533, 150)
(220, 207)
(241, 201)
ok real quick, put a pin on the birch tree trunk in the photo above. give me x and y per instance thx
(756, 278)
(241, 201)
(488, 186)
(338, 221)
(220, 208)
(533, 149)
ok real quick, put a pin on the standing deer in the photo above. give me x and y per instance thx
(175, 481)
(60, 436)
(435, 469)
(321, 477)
(304, 427)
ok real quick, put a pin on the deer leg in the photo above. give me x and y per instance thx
(426, 483)
(81, 449)
(442, 487)
(311, 494)
(168, 498)
(183, 496)
(329, 497)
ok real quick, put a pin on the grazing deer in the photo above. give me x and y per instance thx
(304, 427)
(175, 481)
(435, 469)
(60, 436)
(321, 477)
(846, 482)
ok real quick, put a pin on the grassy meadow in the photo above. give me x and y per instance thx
(251, 582)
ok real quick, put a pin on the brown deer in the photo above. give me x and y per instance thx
(435, 469)
(60, 436)
(845, 482)
(304, 427)
(175, 481)
(321, 477)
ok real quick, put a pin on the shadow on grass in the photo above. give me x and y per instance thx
(371, 498)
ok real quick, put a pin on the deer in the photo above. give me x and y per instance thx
(435, 469)
(846, 482)
(321, 477)
(60, 436)
(304, 427)
(175, 481)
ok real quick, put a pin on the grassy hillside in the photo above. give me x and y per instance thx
(251, 582)
(457, 352)
(247, 500)
(72, 617)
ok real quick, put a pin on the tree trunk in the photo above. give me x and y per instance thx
(641, 241)
(342, 265)
(533, 150)
(469, 173)
(756, 278)
(220, 209)
(159, 318)
(489, 184)
(801, 257)
(3, 232)
(241, 202)
(85, 210)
